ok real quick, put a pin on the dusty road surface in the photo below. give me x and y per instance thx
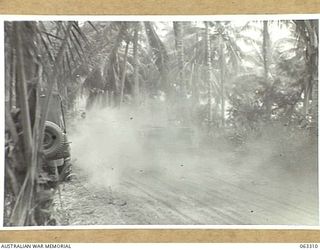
(169, 188)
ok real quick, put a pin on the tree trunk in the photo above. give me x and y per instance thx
(178, 30)
(20, 216)
(266, 54)
(306, 97)
(23, 98)
(124, 69)
(195, 86)
(209, 72)
(222, 74)
(312, 52)
(111, 70)
(136, 64)
(9, 66)
(12, 83)
(315, 106)
(183, 109)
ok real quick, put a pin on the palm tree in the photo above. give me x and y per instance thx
(308, 32)
(115, 53)
(178, 30)
(112, 69)
(39, 60)
(161, 58)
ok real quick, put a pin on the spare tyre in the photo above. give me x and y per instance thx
(53, 141)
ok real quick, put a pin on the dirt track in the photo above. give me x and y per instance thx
(195, 190)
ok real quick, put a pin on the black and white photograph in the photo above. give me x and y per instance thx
(162, 121)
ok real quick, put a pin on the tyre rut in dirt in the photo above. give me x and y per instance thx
(54, 140)
(155, 196)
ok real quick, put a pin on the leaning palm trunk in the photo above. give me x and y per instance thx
(161, 58)
(43, 216)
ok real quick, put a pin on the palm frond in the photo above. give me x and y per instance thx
(158, 49)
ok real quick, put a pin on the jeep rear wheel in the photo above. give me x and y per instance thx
(53, 141)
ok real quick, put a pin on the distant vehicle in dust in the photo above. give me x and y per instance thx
(174, 138)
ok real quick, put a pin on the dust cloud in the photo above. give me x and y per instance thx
(112, 143)
(105, 144)
(133, 154)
